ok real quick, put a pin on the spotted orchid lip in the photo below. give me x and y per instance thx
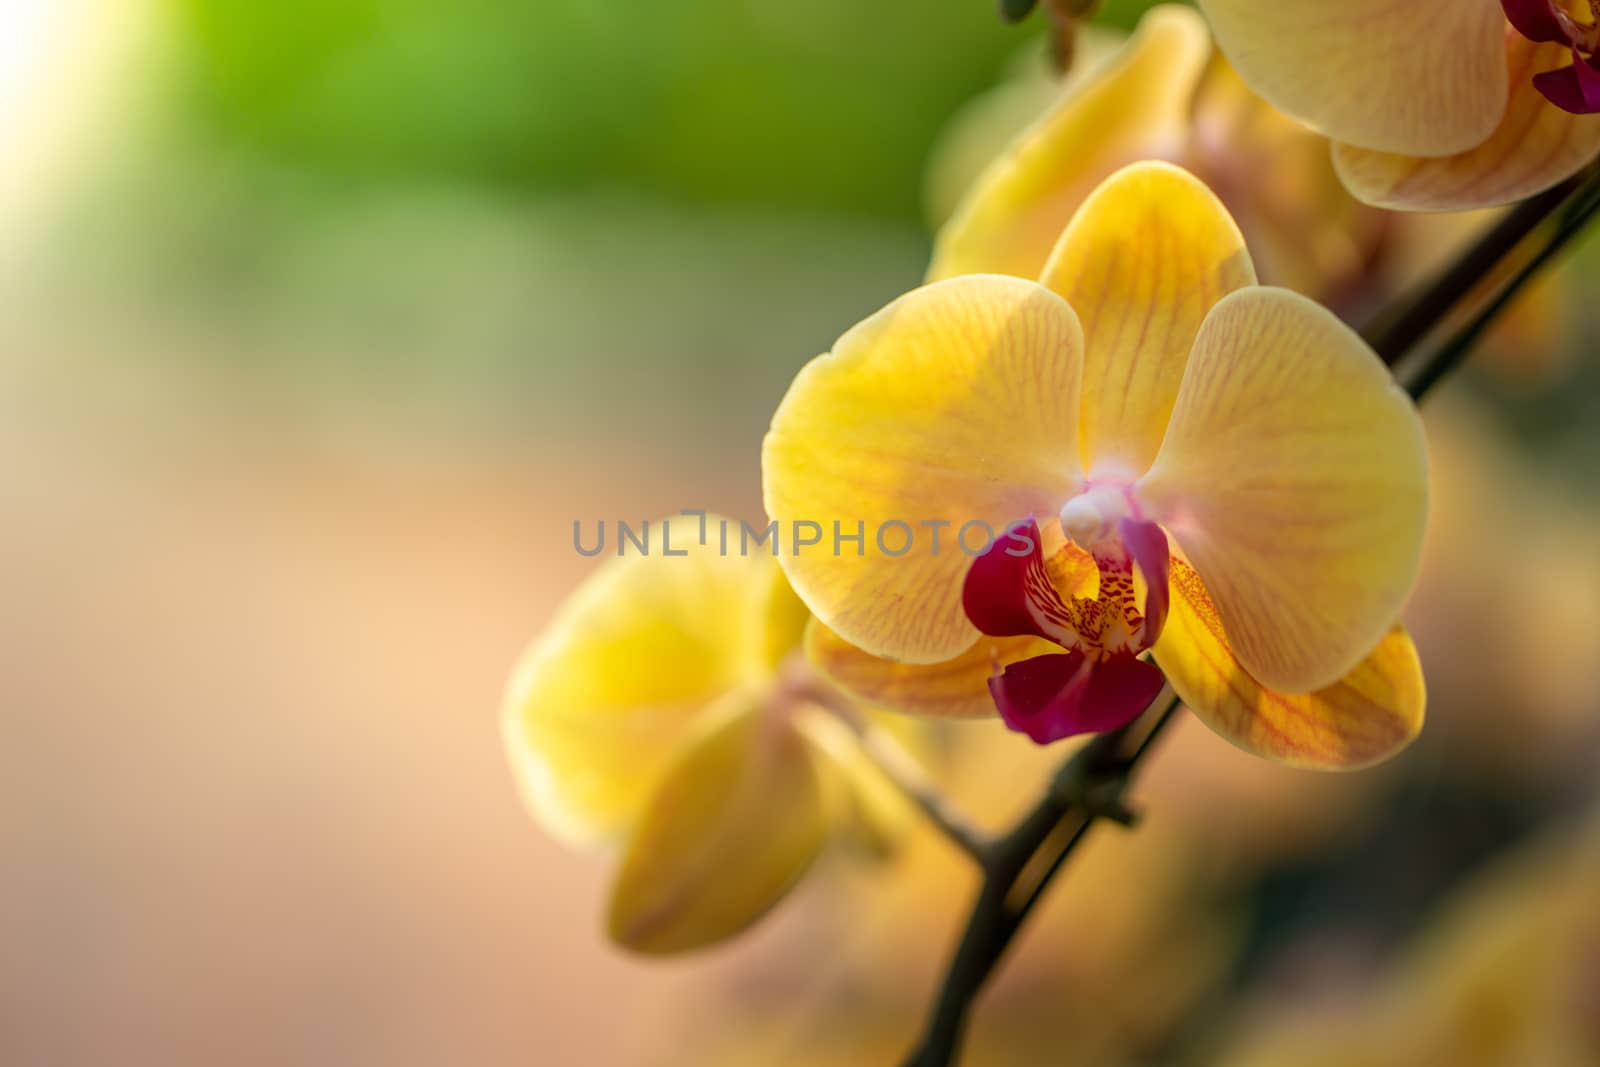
(1091, 687)
(1009, 592)
(1575, 88)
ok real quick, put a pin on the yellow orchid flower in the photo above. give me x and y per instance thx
(1165, 94)
(662, 708)
(1146, 387)
(1432, 107)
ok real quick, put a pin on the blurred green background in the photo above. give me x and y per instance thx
(827, 106)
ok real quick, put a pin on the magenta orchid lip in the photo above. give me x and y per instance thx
(1574, 88)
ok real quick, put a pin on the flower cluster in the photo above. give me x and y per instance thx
(662, 708)
(1191, 474)
(1432, 107)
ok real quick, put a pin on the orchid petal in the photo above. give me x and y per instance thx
(1147, 544)
(1365, 717)
(622, 673)
(1008, 591)
(956, 404)
(1413, 76)
(1057, 696)
(1535, 19)
(1304, 230)
(735, 822)
(1535, 146)
(1031, 86)
(1294, 477)
(1137, 107)
(1574, 89)
(1143, 261)
(956, 688)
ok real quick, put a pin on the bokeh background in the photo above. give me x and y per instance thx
(319, 325)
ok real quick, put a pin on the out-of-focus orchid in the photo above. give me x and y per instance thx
(1165, 94)
(662, 708)
(1432, 107)
(1505, 975)
(1145, 387)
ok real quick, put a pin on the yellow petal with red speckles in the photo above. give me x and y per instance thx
(1371, 713)
(957, 404)
(1414, 76)
(1535, 146)
(1294, 478)
(1144, 259)
(1136, 108)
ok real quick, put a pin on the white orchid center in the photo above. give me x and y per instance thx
(1091, 517)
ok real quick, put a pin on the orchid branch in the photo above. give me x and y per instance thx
(1088, 787)
(1573, 219)
(885, 752)
(903, 771)
(1398, 329)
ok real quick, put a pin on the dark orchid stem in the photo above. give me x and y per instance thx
(1404, 324)
(1020, 866)
(1093, 812)
(897, 766)
(1423, 374)
(903, 771)
(1087, 788)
